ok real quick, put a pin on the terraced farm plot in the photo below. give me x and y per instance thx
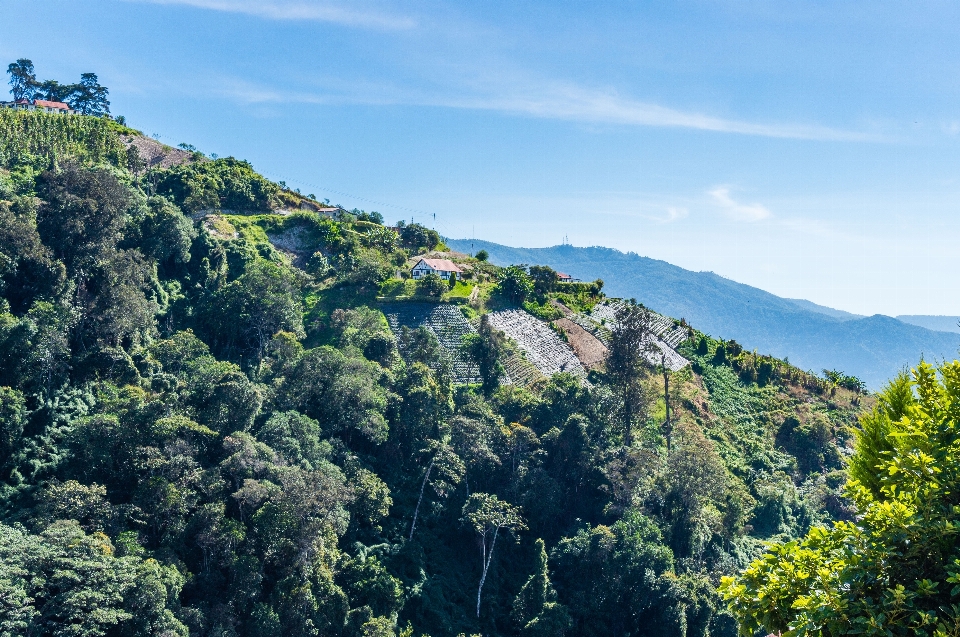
(520, 371)
(667, 334)
(543, 347)
(446, 322)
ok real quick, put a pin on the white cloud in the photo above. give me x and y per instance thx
(579, 103)
(303, 10)
(675, 214)
(738, 211)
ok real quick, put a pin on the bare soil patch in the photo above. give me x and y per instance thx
(157, 155)
(586, 346)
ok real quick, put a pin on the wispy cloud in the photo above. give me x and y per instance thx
(740, 212)
(546, 101)
(579, 103)
(303, 10)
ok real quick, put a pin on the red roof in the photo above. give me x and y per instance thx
(561, 275)
(443, 265)
(47, 104)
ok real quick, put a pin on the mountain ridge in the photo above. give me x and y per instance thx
(873, 348)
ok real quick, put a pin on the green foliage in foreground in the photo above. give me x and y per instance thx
(895, 570)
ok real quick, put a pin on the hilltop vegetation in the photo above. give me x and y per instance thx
(207, 426)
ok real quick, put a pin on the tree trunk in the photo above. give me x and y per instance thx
(666, 401)
(486, 565)
(423, 486)
(628, 418)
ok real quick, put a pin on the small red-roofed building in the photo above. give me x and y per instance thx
(443, 268)
(48, 106)
(564, 278)
(45, 106)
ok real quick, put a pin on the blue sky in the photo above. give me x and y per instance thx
(810, 149)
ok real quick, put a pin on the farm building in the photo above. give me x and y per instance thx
(564, 278)
(441, 267)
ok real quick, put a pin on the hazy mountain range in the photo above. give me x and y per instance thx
(811, 336)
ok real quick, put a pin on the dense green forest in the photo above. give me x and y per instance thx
(207, 427)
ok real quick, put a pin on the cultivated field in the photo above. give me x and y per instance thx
(588, 348)
(446, 322)
(667, 334)
(543, 347)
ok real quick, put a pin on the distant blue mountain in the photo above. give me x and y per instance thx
(932, 322)
(813, 337)
(804, 304)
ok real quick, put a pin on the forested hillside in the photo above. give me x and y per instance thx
(873, 348)
(209, 427)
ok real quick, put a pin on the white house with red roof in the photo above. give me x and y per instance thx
(46, 106)
(443, 268)
(564, 278)
(52, 107)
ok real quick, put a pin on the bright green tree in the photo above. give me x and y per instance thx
(515, 284)
(895, 570)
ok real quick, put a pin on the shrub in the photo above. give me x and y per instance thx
(515, 284)
(431, 285)
(229, 183)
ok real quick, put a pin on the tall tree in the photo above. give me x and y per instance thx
(487, 514)
(664, 369)
(450, 471)
(515, 284)
(55, 91)
(535, 610)
(485, 348)
(23, 79)
(89, 97)
(247, 312)
(625, 362)
(544, 279)
(82, 215)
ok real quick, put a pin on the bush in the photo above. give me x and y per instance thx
(228, 184)
(894, 571)
(431, 285)
(515, 284)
